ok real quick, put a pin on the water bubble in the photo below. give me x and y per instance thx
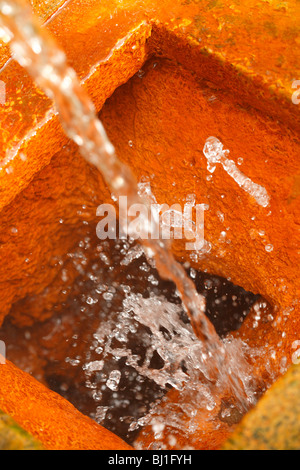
(91, 300)
(101, 414)
(210, 406)
(141, 73)
(193, 273)
(158, 427)
(64, 275)
(93, 366)
(108, 296)
(9, 170)
(269, 248)
(73, 362)
(113, 380)
(221, 216)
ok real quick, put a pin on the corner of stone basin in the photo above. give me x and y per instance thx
(274, 424)
(51, 420)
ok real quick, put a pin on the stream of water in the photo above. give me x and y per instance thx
(36, 51)
(220, 364)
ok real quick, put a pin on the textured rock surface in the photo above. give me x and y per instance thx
(49, 417)
(274, 424)
(13, 437)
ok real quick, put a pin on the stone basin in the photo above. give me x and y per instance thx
(164, 76)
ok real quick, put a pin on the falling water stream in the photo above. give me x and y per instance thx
(218, 362)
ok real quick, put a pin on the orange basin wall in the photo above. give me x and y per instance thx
(49, 417)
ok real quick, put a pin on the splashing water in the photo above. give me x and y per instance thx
(213, 150)
(127, 344)
(185, 358)
(180, 362)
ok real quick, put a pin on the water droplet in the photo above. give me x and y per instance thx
(113, 380)
(101, 414)
(91, 301)
(141, 73)
(108, 296)
(269, 248)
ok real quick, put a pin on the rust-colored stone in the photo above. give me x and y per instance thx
(274, 424)
(12, 437)
(49, 417)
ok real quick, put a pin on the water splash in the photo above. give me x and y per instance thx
(127, 341)
(213, 150)
(170, 355)
(170, 217)
(184, 358)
